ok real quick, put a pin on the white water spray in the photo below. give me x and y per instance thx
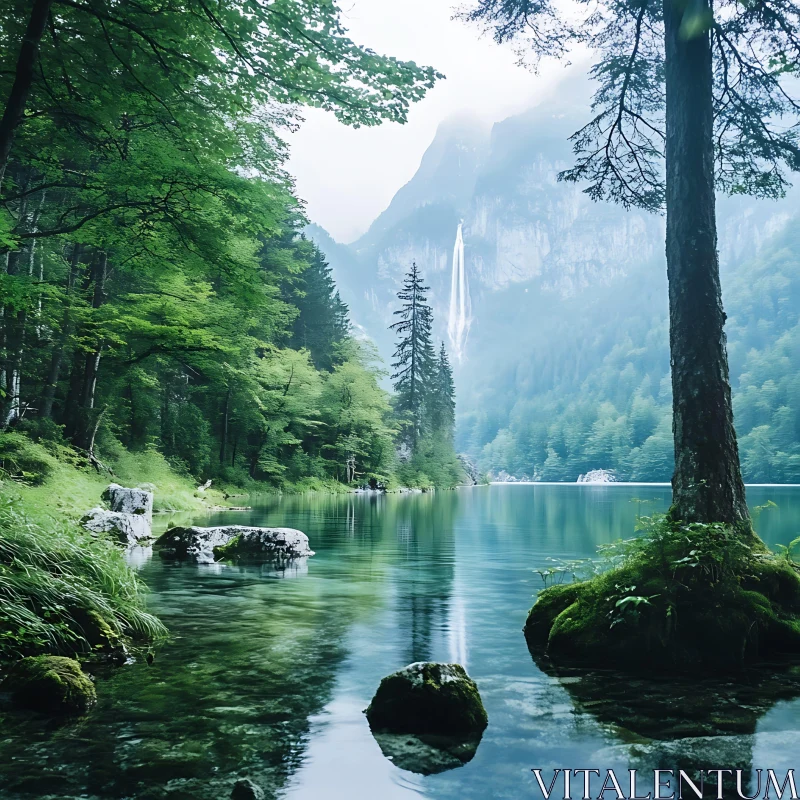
(460, 318)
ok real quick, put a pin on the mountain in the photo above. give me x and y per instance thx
(565, 367)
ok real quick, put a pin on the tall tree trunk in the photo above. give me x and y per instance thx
(707, 485)
(223, 447)
(23, 78)
(88, 416)
(57, 357)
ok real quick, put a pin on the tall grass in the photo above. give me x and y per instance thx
(53, 577)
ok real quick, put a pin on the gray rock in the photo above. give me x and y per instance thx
(245, 789)
(128, 529)
(239, 542)
(138, 502)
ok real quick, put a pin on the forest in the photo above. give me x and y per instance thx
(606, 402)
(157, 290)
(167, 323)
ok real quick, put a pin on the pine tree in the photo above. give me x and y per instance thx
(322, 324)
(414, 363)
(442, 403)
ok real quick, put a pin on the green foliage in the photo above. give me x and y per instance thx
(22, 461)
(64, 591)
(158, 296)
(693, 596)
(425, 401)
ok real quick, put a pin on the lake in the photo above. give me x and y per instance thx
(267, 673)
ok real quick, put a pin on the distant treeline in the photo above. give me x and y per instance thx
(618, 416)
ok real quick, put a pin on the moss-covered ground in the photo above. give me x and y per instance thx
(678, 597)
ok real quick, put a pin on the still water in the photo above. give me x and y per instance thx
(266, 674)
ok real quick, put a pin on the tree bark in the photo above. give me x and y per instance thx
(223, 447)
(57, 358)
(88, 416)
(23, 78)
(707, 485)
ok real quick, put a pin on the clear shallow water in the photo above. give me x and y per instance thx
(267, 674)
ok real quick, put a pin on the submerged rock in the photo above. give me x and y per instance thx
(236, 542)
(128, 529)
(138, 502)
(428, 698)
(51, 684)
(245, 789)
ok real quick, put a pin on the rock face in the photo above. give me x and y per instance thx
(138, 502)
(236, 542)
(127, 528)
(428, 698)
(51, 684)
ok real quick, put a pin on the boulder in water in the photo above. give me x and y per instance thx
(138, 502)
(235, 542)
(428, 698)
(128, 529)
(52, 684)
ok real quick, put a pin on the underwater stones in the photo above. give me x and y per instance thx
(51, 684)
(245, 789)
(235, 542)
(138, 502)
(428, 698)
(128, 529)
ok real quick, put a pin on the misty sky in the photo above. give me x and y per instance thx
(347, 177)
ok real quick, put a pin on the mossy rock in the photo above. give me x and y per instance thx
(693, 626)
(102, 635)
(428, 698)
(51, 684)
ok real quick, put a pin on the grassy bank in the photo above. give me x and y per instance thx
(47, 478)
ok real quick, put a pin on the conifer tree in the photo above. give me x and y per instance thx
(322, 324)
(414, 357)
(442, 402)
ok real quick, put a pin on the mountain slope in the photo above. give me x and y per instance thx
(566, 365)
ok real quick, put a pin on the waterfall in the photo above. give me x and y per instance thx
(460, 317)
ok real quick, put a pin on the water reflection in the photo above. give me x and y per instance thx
(267, 675)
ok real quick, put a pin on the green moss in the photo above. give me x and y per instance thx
(51, 684)
(695, 598)
(224, 551)
(428, 698)
(549, 605)
(100, 633)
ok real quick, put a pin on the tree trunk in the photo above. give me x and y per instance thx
(223, 447)
(707, 485)
(23, 78)
(88, 416)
